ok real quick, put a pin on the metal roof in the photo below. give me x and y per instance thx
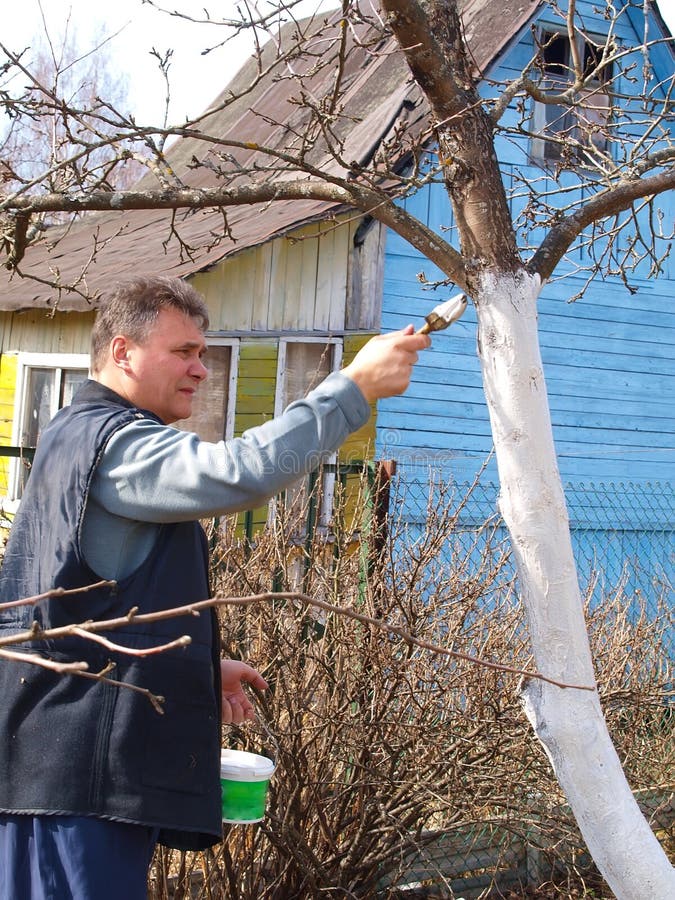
(379, 100)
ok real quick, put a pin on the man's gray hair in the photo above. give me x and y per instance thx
(132, 307)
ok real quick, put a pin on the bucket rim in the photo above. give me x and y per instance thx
(244, 764)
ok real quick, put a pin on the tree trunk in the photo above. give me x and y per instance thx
(568, 722)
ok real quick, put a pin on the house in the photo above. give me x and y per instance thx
(294, 288)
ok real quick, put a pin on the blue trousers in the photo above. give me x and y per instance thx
(73, 858)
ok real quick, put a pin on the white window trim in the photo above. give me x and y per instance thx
(538, 144)
(26, 361)
(336, 343)
(234, 344)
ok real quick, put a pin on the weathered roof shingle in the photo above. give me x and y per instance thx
(377, 96)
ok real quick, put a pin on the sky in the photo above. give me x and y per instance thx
(134, 29)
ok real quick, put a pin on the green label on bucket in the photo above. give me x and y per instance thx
(243, 801)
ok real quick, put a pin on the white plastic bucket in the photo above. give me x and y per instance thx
(244, 780)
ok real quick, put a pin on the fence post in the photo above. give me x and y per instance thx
(385, 469)
(312, 515)
(376, 526)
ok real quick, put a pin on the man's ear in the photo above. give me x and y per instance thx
(119, 352)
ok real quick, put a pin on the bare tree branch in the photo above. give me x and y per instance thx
(562, 234)
(90, 630)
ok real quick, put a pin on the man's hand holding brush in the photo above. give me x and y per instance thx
(383, 367)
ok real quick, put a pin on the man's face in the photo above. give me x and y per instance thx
(166, 369)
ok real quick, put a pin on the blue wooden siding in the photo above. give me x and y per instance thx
(609, 361)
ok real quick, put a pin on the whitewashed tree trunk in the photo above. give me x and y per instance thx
(568, 722)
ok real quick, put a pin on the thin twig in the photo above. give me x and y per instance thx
(55, 593)
(393, 629)
(182, 641)
(63, 668)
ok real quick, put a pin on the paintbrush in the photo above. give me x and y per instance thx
(444, 314)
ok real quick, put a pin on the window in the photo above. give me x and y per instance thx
(213, 407)
(44, 387)
(303, 364)
(571, 128)
(45, 383)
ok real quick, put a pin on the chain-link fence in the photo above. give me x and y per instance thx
(623, 533)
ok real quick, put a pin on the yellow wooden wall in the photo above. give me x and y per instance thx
(311, 281)
(8, 363)
(360, 445)
(39, 331)
(256, 384)
(295, 283)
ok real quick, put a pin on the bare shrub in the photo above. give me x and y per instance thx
(382, 745)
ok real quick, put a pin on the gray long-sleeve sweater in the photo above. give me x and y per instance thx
(152, 474)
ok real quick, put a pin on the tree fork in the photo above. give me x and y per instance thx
(432, 41)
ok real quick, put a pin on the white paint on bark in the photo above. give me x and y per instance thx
(569, 723)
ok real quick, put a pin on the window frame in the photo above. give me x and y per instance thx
(328, 486)
(335, 342)
(56, 362)
(234, 343)
(538, 144)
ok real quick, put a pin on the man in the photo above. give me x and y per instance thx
(91, 777)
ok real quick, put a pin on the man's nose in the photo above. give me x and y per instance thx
(198, 370)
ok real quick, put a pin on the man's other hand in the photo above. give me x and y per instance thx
(236, 706)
